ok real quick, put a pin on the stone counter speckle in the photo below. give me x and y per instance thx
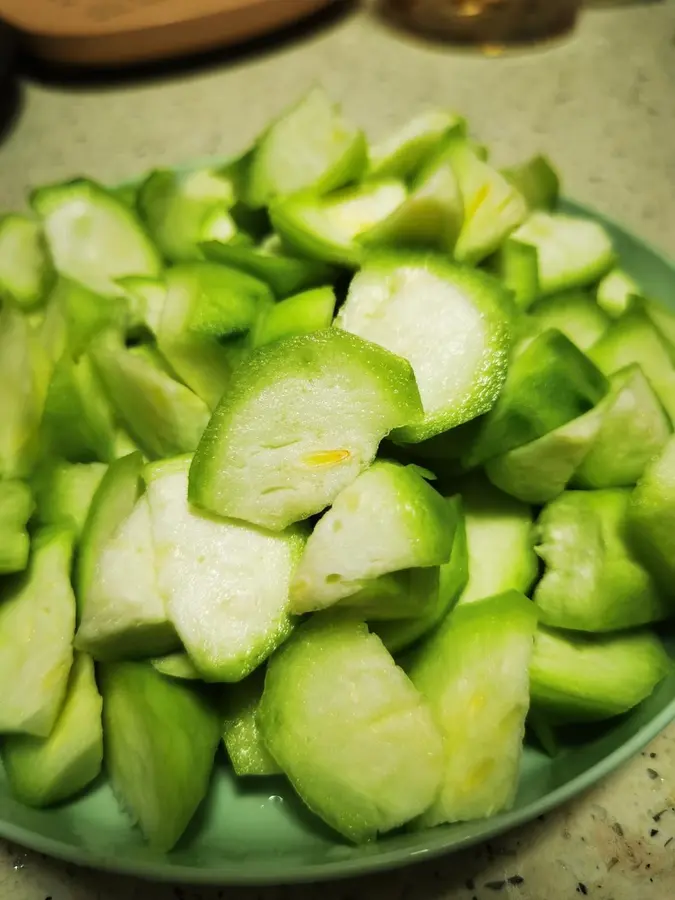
(602, 104)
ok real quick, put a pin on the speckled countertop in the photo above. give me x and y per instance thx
(603, 105)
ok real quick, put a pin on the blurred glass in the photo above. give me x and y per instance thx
(486, 21)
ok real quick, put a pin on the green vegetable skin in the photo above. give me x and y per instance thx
(303, 417)
(452, 325)
(474, 673)
(593, 581)
(364, 767)
(160, 737)
(44, 771)
(348, 546)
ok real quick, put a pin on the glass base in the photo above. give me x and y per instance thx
(484, 21)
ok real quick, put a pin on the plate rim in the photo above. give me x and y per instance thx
(432, 843)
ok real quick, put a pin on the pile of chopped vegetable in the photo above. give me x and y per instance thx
(356, 458)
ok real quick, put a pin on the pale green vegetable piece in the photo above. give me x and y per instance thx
(37, 622)
(241, 733)
(651, 517)
(26, 271)
(537, 181)
(64, 492)
(225, 583)
(633, 430)
(634, 339)
(163, 415)
(493, 207)
(327, 228)
(500, 542)
(348, 547)
(79, 420)
(83, 313)
(515, 262)
(549, 383)
(23, 382)
(112, 503)
(407, 594)
(271, 263)
(474, 672)
(541, 470)
(92, 237)
(575, 313)
(206, 302)
(16, 507)
(310, 145)
(364, 767)
(430, 216)
(177, 665)
(48, 770)
(617, 293)
(181, 209)
(452, 324)
(160, 738)
(593, 580)
(123, 614)
(402, 153)
(146, 298)
(663, 319)
(588, 678)
(571, 252)
(302, 418)
(453, 576)
(301, 314)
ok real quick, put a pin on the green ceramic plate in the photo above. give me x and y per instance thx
(258, 831)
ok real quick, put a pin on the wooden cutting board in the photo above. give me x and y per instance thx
(118, 32)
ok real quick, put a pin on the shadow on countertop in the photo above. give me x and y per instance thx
(10, 90)
(84, 78)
